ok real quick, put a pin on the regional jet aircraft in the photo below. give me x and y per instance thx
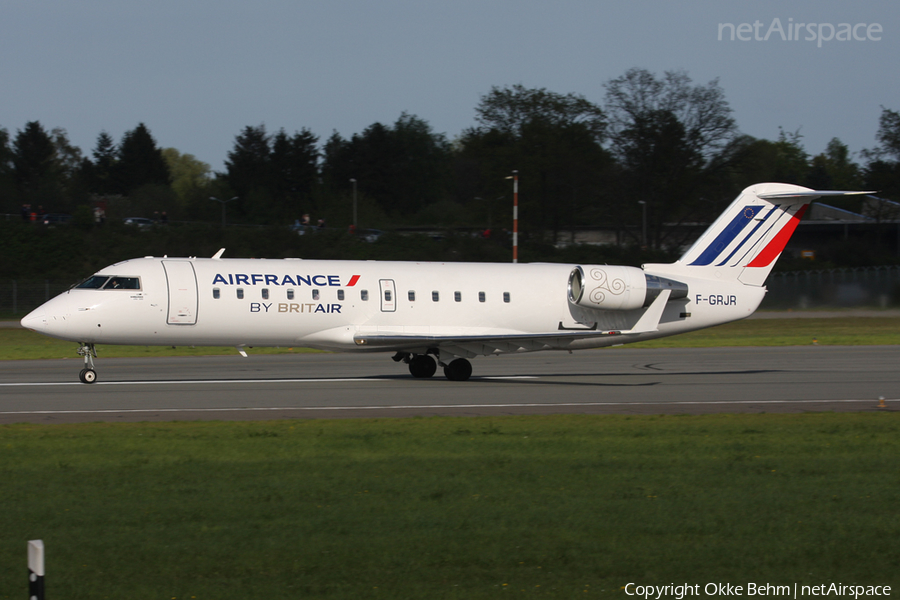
(430, 314)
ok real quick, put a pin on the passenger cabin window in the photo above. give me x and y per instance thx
(290, 294)
(265, 293)
(364, 295)
(412, 296)
(481, 297)
(340, 294)
(240, 293)
(457, 296)
(216, 293)
(435, 296)
(506, 297)
(387, 295)
(315, 294)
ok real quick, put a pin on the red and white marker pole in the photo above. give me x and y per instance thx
(515, 178)
(36, 570)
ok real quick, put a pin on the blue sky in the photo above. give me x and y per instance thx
(197, 71)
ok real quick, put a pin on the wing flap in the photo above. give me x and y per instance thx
(470, 346)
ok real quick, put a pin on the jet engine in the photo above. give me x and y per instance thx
(618, 288)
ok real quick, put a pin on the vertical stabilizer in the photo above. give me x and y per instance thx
(747, 239)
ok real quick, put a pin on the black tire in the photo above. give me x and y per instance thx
(88, 376)
(422, 366)
(458, 370)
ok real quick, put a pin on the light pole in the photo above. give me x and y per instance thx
(515, 178)
(643, 223)
(223, 203)
(353, 181)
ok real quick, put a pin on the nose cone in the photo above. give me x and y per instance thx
(36, 320)
(50, 318)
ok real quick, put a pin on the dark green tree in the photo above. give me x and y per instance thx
(659, 166)
(8, 191)
(403, 168)
(140, 162)
(37, 172)
(552, 140)
(102, 170)
(782, 161)
(248, 172)
(191, 180)
(889, 133)
(672, 140)
(834, 169)
(509, 109)
(882, 171)
(295, 173)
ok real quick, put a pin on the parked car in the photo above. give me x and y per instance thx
(56, 219)
(369, 235)
(139, 222)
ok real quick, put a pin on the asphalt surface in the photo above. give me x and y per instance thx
(614, 380)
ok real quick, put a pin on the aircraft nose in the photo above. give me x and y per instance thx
(36, 320)
(51, 318)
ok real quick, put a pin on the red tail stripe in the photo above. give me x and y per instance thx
(776, 246)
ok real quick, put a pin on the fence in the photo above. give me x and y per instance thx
(834, 288)
(20, 297)
(796, 290)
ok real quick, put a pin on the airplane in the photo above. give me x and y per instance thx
(431, 314)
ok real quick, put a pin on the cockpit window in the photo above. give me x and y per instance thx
(95, 282)
(123, 283)
(107, 282)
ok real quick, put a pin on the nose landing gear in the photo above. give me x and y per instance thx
(88, 374)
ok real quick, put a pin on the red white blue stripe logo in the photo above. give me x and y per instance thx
(739, 241)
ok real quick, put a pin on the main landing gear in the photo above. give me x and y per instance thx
(422, 366)
(458, 370)
(88, 374)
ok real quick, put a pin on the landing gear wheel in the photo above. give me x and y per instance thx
(458, 370)
(88, 374)
(422, 366)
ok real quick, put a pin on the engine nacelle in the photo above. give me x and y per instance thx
(619, 288)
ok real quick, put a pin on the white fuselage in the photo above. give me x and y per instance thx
(327, 304)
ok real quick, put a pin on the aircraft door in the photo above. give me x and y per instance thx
(182, 282)
(388, 295)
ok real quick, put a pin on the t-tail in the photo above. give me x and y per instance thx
(747, 239)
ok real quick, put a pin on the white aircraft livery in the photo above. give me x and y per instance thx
(431, 314)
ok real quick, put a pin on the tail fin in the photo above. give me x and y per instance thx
(747, 239)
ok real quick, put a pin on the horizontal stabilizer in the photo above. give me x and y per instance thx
(811, 194)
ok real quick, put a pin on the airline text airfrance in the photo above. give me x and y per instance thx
(282, 280)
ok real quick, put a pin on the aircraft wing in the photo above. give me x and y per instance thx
(470, 346)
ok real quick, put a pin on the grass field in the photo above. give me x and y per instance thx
(555, 507)
(846, 331)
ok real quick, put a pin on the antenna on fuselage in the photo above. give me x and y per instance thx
(219, 254)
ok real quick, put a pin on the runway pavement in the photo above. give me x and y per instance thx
(614, 380)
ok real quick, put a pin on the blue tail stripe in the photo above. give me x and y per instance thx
(749, 235)
(727, 235)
